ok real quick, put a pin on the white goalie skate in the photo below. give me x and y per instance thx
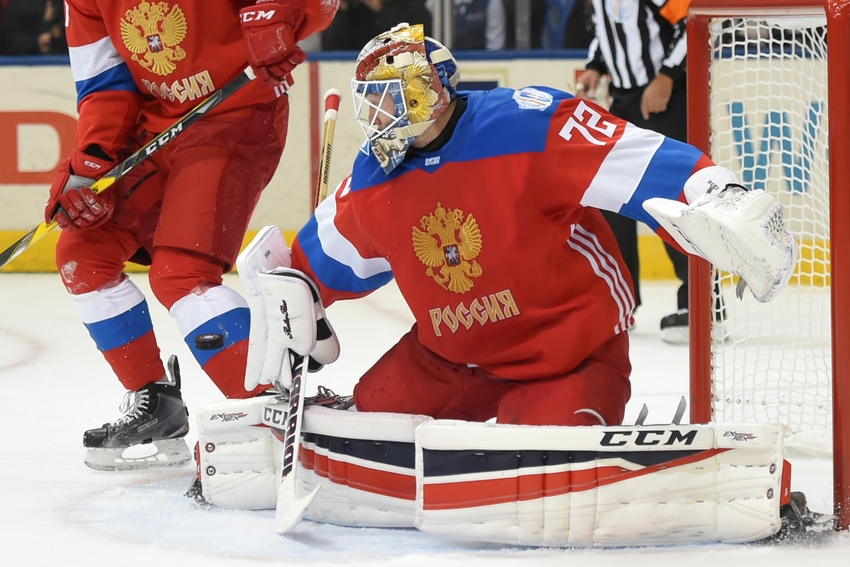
(149, 435)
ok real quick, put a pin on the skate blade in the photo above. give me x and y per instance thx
(157, 454)
(676, 335)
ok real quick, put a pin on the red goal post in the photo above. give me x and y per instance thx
(768, 98)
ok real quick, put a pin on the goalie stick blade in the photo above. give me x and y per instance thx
(290, 509)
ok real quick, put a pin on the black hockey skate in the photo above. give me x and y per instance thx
(149, 435)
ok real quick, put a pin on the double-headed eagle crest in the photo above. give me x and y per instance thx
(152, 32)
(448, 245)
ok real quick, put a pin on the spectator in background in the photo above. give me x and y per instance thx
(358, 21)
(568, 24)
(579, 32)
(33, 27)
(538, 20)
(479, 24)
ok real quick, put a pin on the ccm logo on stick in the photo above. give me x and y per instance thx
(164, 138)
(648, 437)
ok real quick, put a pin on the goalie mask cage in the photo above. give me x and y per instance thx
(768, 84)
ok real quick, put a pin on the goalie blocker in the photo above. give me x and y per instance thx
(511, 484)
(287, 315)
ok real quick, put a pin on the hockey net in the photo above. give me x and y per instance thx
(763, 101)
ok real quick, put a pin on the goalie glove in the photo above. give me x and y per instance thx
(737, 230)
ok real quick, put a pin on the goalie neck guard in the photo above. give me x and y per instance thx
(404, 81)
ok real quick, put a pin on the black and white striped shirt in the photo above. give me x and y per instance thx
(637, 39)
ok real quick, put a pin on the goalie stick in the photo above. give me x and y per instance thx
(332, 99)
(141, 155)
(290, 509)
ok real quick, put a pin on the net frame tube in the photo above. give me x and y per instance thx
(699, 131)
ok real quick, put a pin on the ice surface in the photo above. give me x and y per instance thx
(54, 385)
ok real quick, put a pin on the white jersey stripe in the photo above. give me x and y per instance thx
(611, 266)
(604, 266)
(339, 248)
(89, 61)
(617, 178)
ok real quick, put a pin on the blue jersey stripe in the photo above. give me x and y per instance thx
(493, 119)
(122, 329)
(669, 169)
(117, 78)
(233, 325)
(329, 270)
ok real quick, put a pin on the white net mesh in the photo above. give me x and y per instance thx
(768, 105)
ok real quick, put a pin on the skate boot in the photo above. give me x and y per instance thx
(149, 435)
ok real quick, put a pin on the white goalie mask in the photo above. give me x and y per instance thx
(404, 81)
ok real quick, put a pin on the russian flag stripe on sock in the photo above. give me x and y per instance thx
(122, 329)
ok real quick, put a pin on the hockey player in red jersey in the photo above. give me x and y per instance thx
(484, 207)
(139, 66)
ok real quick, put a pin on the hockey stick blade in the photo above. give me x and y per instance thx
(141, 155)
(293, 509)
(290, 509)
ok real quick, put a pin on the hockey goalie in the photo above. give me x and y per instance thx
(499, 415)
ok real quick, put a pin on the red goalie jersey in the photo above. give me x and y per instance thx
(153, 61)
(495, 239)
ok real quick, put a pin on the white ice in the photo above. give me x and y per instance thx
(54, 384)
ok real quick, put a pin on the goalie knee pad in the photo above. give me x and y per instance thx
(236, 459)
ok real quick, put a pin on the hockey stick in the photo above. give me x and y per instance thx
(332, 99)
(141, 155)
(290, 509)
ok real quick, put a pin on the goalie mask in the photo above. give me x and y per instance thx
(403, 82)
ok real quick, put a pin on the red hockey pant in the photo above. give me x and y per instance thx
(410, 378)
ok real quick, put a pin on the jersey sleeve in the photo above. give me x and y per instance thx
(318, 17)
(333, 251)
(607, 163)
(107, 96)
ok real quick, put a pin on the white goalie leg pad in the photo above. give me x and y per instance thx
(267, 251)
(237, 462)
(738, 231)
(364, 464)
(599, 486)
